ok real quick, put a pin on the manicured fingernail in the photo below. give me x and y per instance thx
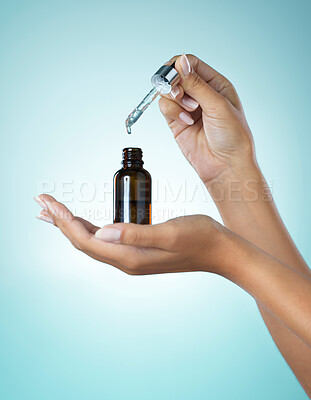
(175, 91)
(51, 208)
(108, 234)
(186, 118)
(45, 218)
(185, 65)
(189, 102)
(41, 203)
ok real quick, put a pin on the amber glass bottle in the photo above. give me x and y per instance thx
(132, 189)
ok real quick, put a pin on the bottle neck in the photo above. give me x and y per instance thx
(132, 158)
(129, 164)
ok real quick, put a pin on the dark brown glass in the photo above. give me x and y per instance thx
(132, 189)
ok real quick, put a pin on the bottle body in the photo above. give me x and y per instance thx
(132, 190)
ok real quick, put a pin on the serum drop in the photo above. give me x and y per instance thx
(132, 189)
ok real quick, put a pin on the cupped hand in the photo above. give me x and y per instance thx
(206, 117)
(192, 243)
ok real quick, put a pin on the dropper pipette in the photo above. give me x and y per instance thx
(162, 81)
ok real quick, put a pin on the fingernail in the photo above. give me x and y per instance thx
(185, 65)
(175, 92)
(186, 118)
(108, 234)
(45, 218)
(41, 203)
(51, 208)
(189, 102)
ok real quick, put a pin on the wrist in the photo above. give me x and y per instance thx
(233, 257)
(217, 254)
(243, 181)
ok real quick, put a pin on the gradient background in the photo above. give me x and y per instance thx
(70, 72)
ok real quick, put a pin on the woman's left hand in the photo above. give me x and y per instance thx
(192, 243)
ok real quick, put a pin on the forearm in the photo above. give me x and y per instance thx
(245, 203)
(247, 208)
(283, 290)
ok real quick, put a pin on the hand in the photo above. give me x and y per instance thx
(195, 243)
(219, 145)
(214, 136)
(182, 244)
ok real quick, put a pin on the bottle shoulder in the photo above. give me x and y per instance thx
(132, 172)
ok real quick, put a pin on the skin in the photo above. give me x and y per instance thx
(195, 243)
(257, 254)
(228, 167)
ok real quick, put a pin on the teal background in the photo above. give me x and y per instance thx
(70, 72)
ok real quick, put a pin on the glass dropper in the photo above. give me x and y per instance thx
(162, 81)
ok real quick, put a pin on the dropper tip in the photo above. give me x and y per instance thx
(128, 128)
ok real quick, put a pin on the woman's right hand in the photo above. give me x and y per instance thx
(206, 117)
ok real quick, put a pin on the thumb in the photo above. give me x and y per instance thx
(133, 234)
(194, 85)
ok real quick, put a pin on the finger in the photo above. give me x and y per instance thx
(177, 92)
(174, 112)
(172, 60)
(90, 227)
(40, 202)
(214, 79)
(173, 118)
(72, 227)
(44, 216)
(156, 236)
(56, 210)
(195, 86)
(77, 230)
(186, 102)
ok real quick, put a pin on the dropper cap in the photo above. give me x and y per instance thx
(165, 78)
